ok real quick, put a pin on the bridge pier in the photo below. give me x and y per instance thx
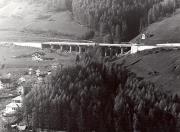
(107, 49)
(80, 49)
(52, 46)
(110, 52)
(70, 49)
(116, 52)
(61, 48)
(122, 51)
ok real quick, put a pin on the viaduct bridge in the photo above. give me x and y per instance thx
(107, 49)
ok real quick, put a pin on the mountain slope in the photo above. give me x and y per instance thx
(122, 20)
(37, 21)
(164, 31)
(161, 66)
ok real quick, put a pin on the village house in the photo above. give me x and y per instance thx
(13, 106)
(38, 72)
(1, 85)
(36, 57)
(22, 79)
(20, 90)
(30, 71)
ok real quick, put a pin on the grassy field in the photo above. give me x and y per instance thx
(161, 66)
(18, 60)
(27, 21)
(166, 30)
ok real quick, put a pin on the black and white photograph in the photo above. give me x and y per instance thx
(89, 65)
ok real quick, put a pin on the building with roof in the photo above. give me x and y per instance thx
(38, 72)
(36, 57)
(30, 71)
(22, 79)
(12, 107)
(1, 85)
(20, 90)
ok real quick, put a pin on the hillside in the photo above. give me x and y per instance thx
(37, 20)
(166, 30)
(113, 21)
(121, 20)
(161, 66)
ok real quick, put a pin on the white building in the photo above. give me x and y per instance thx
(143, 37)
(30, 71)
(20, 90)
(49, 72)
(36, 57)
(9, 75)
(13, 106)
(38, 72)
(1, 85)
(22, 79)
(40, 79)
(17, 99)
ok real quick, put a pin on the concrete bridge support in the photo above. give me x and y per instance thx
(122, 51)
(106, 49)
(61, 48)
(70, 49)
(52, 46)
(80, 49)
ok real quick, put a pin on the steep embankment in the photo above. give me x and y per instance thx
(166, 30)
(37, 20)
(161, 66)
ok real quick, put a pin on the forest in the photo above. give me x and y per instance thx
(121, 20)
(113, 21)
(100, 97)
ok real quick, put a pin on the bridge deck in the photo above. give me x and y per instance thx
(86, 44)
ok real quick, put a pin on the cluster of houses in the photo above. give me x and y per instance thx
(16, 102)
